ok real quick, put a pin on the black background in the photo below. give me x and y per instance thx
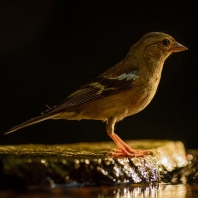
(50, 48)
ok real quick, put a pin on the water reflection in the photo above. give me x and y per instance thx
(141, 191)
(161, 191)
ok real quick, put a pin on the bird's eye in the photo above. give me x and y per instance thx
(166, 42)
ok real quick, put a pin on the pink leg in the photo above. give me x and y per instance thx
(125, 150)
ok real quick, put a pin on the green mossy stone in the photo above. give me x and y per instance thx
(82, 164)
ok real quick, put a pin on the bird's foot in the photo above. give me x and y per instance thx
(131, 153)
(124, 149)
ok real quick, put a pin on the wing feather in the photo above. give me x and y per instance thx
(96, 89)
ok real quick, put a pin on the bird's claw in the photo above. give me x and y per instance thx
(132, 153)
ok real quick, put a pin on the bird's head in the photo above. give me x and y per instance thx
(158, 45)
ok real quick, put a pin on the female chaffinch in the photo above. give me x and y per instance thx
(123, 90)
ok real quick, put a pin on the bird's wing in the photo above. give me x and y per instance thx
(98, 88)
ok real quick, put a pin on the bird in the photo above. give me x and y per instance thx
(123, 90)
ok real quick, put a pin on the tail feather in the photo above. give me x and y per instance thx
(31, 122)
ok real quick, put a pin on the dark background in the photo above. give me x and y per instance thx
(50, 48)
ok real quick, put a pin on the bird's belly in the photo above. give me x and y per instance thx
(144, 99)
(120, 105)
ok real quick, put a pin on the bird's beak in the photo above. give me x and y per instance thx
(177, 47)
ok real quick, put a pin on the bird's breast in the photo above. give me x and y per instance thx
(142, 95)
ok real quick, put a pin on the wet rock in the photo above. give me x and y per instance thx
(85, 164)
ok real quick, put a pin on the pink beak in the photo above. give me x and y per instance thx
(177, 47)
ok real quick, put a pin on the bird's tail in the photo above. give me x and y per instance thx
(31, 122)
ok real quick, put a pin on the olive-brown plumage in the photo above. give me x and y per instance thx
(121, 91)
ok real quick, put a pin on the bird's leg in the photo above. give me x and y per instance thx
(125, 150)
